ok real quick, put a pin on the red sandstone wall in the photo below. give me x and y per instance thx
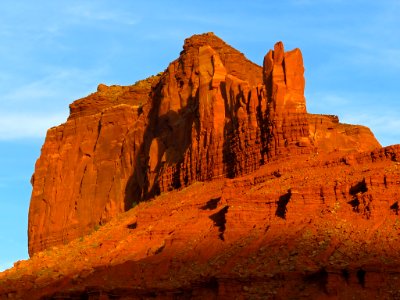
(212, 113)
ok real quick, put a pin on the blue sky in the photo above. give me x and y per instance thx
(53, 52)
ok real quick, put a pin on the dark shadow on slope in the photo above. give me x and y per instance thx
(237, 139)
(219, 220)
(355, 204)
(228, 152)
(174, 130)
(360, 187)
(199, 287)
(355, 191)
(158, 279)
(283, 201)
(395, 207)
(211, 204)
(137, 183)
(361, 277)
(132, 225)
(346, 275)
(320, 278)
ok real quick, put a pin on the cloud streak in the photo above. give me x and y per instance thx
(58, 83)
(28, 110)
(364, 108)
(385, 126)
(23, 125)
(89, 13)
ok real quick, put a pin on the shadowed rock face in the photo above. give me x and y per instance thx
(212, 113)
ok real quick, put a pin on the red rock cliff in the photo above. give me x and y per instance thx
(212, 113)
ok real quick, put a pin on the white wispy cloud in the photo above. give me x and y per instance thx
(21, 126)
(28, 110)
(385, 125)
(58, 84)
(387, 122)
(384, 57)
(318, 101)
(362, 108)
(61, 79)
(84, 12)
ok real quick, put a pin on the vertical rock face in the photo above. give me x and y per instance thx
(199, 98)
(222, 121)
(85, 164)
(286, 111)
(212, 113)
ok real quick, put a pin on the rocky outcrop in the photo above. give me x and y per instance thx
(328, 135)
(286, 114)
(85, 164)
(212, 113)
(299, 228)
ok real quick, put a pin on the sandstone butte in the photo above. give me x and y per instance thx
(211, 181)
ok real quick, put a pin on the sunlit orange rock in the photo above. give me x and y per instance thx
(211, 114)
(309, 227)
(211, 181)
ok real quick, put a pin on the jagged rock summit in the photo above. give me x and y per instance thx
(211, 114)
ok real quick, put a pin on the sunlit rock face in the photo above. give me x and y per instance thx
(212, 113)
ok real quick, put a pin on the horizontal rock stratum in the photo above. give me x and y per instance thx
(301, 228)
(212, 113)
